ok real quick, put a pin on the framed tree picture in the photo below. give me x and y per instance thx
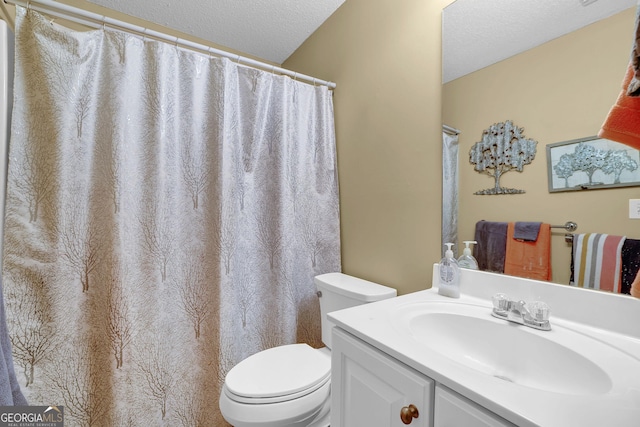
(591, 163)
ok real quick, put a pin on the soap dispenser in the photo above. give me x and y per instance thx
(449, 270)
(467, 260)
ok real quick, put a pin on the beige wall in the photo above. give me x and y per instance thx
(559, 91)
(385, 57)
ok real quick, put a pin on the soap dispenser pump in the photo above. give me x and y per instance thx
(449, 270)
(467, 260)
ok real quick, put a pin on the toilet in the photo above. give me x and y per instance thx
(289, 385)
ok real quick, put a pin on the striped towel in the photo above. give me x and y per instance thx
(597, 261)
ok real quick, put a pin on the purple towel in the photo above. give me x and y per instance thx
(491, 248)
(527, 231)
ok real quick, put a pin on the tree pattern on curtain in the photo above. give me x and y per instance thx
(167, 212)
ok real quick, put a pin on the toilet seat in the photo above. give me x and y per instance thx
(311, 410)
(278, 374)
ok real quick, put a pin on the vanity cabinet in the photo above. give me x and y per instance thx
(454, 410)
(371, 389)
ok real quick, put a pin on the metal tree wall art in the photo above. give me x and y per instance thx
(503, 148)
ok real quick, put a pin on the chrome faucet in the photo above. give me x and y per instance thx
(517, 311)
(534, 314)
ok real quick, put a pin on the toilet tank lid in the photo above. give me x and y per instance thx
(354, 287)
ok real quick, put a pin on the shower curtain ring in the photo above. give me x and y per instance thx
(28, 5)
(237, 59)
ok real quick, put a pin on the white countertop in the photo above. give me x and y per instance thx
(610, 319)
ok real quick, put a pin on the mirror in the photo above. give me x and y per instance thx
(559, 86)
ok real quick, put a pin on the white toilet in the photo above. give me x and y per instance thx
(289, 386)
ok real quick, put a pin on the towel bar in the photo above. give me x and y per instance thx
(569, 226)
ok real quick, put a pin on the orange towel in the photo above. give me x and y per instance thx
(623, 122)
(529, 259)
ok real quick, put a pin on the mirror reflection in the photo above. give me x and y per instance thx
(559, 90)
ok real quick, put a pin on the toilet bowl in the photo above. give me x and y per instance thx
(282, 386)
(289, 385)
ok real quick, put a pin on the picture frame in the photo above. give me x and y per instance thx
(591, 163)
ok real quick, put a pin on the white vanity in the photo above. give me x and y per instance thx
(426, 360)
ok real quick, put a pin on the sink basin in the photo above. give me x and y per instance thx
(560, 361)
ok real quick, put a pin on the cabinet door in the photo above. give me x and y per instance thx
(454, 410)
(370, 389)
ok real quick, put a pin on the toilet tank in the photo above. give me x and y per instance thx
(338, 291)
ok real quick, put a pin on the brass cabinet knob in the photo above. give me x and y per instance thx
(408, 413)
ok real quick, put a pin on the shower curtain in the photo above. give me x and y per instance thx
(449, 191)
(167, 212)
(10, 393)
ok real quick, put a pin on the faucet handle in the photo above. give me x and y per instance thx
(500, 303)
(539, 311)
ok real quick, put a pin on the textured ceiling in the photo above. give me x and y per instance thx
(478, 33)
(268, 29)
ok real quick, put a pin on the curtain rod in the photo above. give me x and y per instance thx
(450, 130)
(94, 20)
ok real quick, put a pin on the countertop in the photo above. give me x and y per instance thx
(601, 316)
